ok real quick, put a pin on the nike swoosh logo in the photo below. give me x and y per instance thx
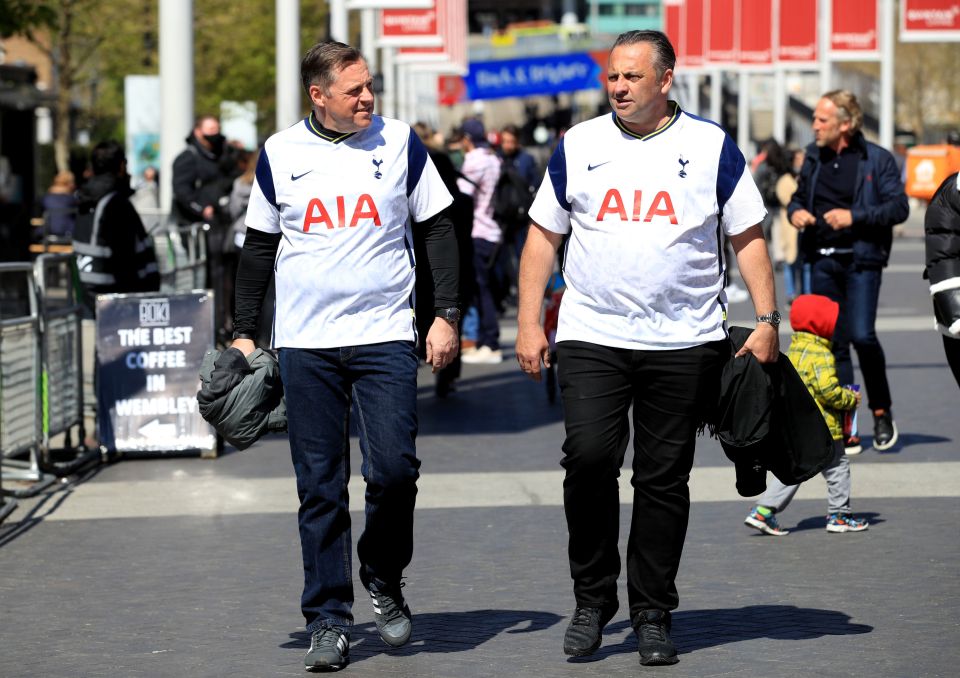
(294, 177)
(590, 168)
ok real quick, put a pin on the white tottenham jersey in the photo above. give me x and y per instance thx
(644, 266)
(345, 268)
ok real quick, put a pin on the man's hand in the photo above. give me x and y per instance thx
(208, 213)
(532, 348)
(245, 346)
(442, 344)
(801, 219)
(763, 343)
(838, 219)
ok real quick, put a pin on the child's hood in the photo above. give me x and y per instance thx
(814, 313)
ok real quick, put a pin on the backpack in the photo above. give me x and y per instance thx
(512, 198)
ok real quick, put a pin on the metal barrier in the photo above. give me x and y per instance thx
(19, 380)
(61, 363)
(181, 252)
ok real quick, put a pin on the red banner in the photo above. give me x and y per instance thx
(854, 26)
(756, 32)
(798, 32)
(723, 39)
(930, 20)
(691, 18)
(410, 27)
(671, 26)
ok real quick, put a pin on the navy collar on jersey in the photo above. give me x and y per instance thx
(319, 130)
(673, 110)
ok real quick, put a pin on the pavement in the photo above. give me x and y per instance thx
(191, 567)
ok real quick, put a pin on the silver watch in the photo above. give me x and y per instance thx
(773, 318)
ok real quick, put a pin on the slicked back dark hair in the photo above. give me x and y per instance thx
(324, 61)
(107, 157)
(664, 56)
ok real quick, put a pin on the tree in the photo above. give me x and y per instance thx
(23, 17)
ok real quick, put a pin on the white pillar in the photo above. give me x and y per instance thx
(339, 28)
(389, 83)
(887, 49)
(716, 95)
(288, 63)
(693, 93)
(176, 87)
(743, 115)
(825, 29)
(368, 38)
(780, 105)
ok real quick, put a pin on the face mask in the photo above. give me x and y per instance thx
(456, 157)
(216, 142)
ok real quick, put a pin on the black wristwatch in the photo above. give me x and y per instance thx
(772, 318)
(450, 314)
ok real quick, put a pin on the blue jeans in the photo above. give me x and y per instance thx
(380, 382)
(484, 264)
(857, 290)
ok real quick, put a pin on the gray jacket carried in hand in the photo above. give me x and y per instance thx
(242, 396)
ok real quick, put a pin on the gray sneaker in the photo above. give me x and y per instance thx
(329, 650)
(391, 614)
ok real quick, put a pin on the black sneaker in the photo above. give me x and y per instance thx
(391, 614)
(329, 650)
(585, 630)
(884, 430)
(653, 637)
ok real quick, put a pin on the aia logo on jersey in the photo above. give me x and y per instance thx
(317, 213)
(614, 205)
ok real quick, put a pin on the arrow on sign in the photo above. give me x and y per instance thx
(158, 430)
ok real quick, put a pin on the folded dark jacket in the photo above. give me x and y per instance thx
(768, 421)
(242, 397)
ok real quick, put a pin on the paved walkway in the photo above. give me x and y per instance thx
(188, 567)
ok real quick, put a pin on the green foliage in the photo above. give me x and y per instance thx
(21, 17)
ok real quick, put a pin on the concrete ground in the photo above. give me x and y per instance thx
(189, 567)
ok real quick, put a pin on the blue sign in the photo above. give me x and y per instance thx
(536, 75)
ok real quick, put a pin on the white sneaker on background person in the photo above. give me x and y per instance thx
(736, 294)
(483, 356)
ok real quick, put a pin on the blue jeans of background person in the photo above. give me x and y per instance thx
(320, 385)
(857, 290)
(484, 264)
(672, 392)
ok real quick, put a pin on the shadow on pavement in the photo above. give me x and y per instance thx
(820, 522)
(440, 632)
(906, 440)
(695, 630)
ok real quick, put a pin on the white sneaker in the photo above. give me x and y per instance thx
(736, 294)
(483, 356)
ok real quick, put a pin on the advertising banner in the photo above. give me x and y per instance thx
(797, 44)
(451, 54)
(692, 21)
(756, 32)
(149, 350)
(930, 21)
(141, 97)
(723, 38)
(537, 75)
(855, 30)
(410, 28)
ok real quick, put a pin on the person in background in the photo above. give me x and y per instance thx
(60, 206)
(813, 319)
(146, 194)
(941, 227)
(481, 170)
(849, 197)
(785, 237)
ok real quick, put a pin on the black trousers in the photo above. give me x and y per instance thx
(951, 347)
(671, 392)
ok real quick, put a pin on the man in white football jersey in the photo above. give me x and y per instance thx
(337, 201)
(646, 194)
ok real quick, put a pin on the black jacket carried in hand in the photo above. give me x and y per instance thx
(768, 421)
(242, 396)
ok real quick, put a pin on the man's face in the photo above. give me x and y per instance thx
(828, 129)
(508, 143)
(207, 127)
(348, 107)
(635, 92)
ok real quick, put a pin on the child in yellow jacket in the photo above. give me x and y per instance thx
(813, 318)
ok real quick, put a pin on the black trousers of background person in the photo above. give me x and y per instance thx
(671, 392)
(951, 347)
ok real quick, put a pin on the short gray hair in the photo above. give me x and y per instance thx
(324, 61)
(848, 108)
(664, 56)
